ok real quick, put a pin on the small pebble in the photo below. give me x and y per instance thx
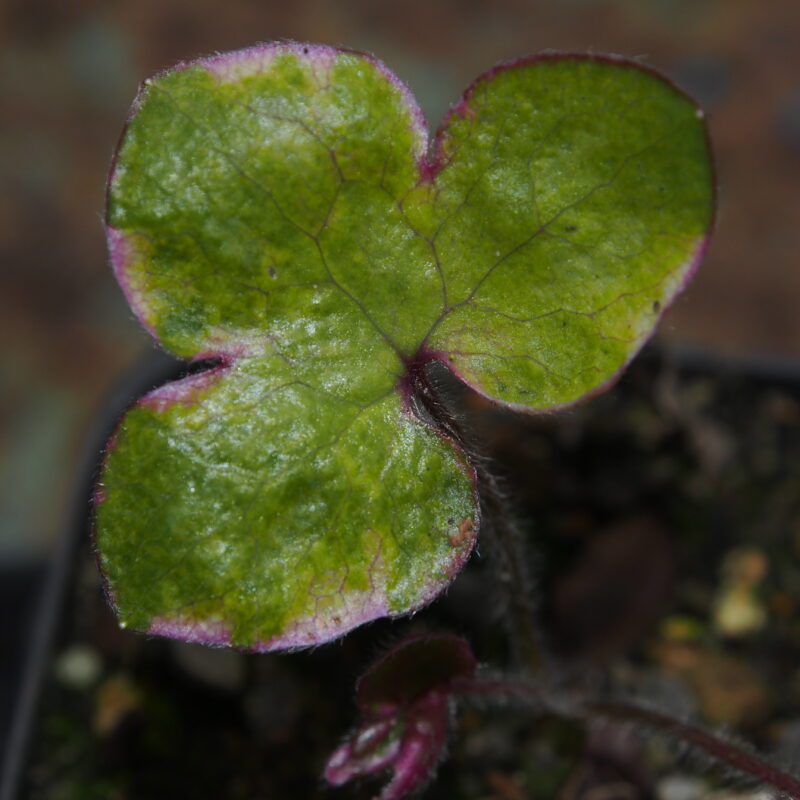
(78, 667)
(681, 787)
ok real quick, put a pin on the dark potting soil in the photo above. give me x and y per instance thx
(663, 519)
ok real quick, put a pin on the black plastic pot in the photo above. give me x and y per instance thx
(551, 458)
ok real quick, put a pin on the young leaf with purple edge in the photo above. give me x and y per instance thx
(278, 209)
(405, 701)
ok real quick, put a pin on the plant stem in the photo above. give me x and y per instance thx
(575, 707)
(435, 405)
(723, 751)
(514, 574)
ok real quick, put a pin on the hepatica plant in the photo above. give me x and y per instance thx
(281, 211)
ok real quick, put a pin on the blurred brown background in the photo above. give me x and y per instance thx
(68, 71)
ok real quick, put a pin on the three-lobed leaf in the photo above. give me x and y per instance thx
(277, 209)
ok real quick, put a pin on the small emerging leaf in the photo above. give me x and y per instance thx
(405, 701)
(411, 669)
(277, 209)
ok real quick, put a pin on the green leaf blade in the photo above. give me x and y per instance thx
(271, 515)
(575, 196)
(228, 179)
